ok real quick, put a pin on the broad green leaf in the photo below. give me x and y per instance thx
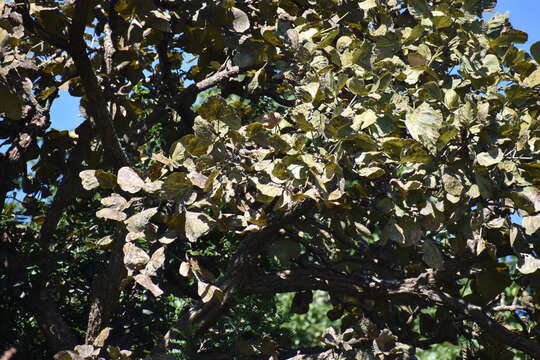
(115, 201)
(156, 261)
(371, 172)
(270, 190)
(313, 90)
(424, 125)
(491, 283)
(215, 108)
(432, 255)
(283, 250)
(533, 79)
(255, 82)
(491, 157)
(364, 120)
(535, 51)
(301, 302)
(11, 104)
(104, 242)
(176, 186)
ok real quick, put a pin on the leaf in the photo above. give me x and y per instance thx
(99, 341)
(134, 257)
(92, 179)
(424, 125)
(312, 89)
(535, 51)
(159, 20)
(129, 180)
(371, 172)
(491, 157)
(416, 59)
(301, 302)
(111, 214)
(255, 82)
(89, 179)
(432, 255)
(86, 351)
(156, 261)
(11, 104)
(531, 224)
(138, 222)
(176, 186)
(169, 237)
(283, 250)
(207, 292)
(533, 79)
(451, 98)
(364, 120)
(115, 201)
(198, 179)
(271, 36)
(527, 264)
(408, 186)
(419, 8)
(240, 20)
(153, 186)
(147, 283)
(367, 4)
(452, 184)
(215, 108)
(185, 269)
(104, 242)
(197, 225)
(527, 199)
(269, 189)
(490, 283)
(385, 342)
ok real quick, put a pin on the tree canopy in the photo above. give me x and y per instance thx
(373, 165)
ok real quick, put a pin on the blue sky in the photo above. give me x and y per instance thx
(524, 15)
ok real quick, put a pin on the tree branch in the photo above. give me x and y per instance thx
(423, 286)
(235, 277)
(98, 108)
(106, 290)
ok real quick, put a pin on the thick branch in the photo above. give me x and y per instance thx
(70, 182)
(423, 286)
(98, 108)
(106, 290)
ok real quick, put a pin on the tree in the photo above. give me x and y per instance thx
(384, 152)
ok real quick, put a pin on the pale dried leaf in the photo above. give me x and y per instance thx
(111, 214)
(197, 225)
(138, 222)
(147, 283)
(134, 257)
(129, 180)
